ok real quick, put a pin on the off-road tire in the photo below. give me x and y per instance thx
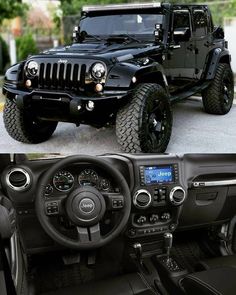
(22, 127)
(132, 129)
(213, 97)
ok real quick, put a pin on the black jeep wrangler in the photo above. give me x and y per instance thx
(127, 65)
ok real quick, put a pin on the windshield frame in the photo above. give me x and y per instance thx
(141, 37)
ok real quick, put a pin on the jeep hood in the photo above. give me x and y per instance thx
(105, 51)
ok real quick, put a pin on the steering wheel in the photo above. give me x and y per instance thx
(84, 207)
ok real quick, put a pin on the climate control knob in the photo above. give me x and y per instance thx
(177, 196)
(141, 220)
(142, 199)
(154, 218)
(165, 216)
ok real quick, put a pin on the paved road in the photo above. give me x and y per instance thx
(193, 131)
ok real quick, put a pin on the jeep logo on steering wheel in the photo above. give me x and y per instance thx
(86, 205)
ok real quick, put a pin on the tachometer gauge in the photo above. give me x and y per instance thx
(88, 177)
(104, 184)
(63, 181)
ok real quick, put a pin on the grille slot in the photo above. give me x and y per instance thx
(61, 76)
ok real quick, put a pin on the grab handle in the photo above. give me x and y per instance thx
(214, 183)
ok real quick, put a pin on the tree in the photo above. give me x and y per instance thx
(11, 8)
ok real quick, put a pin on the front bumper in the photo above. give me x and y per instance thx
(64, 106)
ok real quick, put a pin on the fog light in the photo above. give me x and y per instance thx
(134, 79)
(98, 87)
(28, 83)
(90, 105)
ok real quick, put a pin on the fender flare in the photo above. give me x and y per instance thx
(215, 56)
(155, 73)
(12, 74)
(120, 76)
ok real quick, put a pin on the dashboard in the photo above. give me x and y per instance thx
(169, 192)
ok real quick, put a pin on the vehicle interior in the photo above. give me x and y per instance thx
(118, 224)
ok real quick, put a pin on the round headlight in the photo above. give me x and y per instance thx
(32, 68)
(98, 71)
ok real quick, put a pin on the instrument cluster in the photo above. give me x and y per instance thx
(64, 181)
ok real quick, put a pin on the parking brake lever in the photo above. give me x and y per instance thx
(138, 251)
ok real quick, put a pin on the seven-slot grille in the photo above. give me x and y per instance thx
(61, 76)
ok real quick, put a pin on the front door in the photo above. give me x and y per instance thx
(181, 60)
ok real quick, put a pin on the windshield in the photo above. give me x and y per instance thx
(114, 25)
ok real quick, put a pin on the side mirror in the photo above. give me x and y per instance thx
(218, 33)
(182, 34)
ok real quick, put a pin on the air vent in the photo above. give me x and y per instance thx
(18, 179)
(177, 196)
(142, 199)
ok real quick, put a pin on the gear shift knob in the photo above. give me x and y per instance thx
(138, 251)
(168, 239)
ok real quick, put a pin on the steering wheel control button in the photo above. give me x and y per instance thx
(87, 205)
(142, 199)
(117, 204)
(52, 208)
(177, 196)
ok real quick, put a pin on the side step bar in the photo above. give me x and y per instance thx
(183, 95)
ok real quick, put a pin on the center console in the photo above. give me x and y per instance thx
(157, 199)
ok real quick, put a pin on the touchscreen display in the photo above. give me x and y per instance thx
(161, 174)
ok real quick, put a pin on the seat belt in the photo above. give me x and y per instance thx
(7, 286)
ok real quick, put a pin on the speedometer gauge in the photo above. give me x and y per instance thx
(88, 177)
(63, 181)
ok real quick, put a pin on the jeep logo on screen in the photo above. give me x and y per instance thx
(87, 206)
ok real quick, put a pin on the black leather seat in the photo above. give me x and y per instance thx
(218, 281)
(223, 261)
(131, 284)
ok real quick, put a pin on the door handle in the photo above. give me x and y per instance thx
(207, 44)
(190, 47)
(175, 46)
